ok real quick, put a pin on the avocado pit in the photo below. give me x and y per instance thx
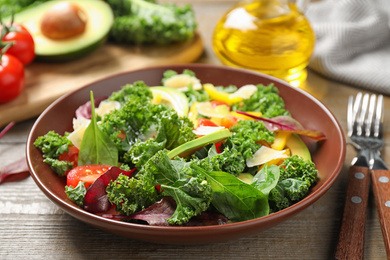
(63, 20)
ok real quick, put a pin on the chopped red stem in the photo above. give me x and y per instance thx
(263, 119)
(6, 129)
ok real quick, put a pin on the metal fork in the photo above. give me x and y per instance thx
(380, 175)
(365, 130)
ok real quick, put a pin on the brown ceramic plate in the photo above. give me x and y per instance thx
(327, 155)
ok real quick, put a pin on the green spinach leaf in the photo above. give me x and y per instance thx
(266, 179)
(234, 198)
(96, 146)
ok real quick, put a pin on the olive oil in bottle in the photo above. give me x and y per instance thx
(269, 36)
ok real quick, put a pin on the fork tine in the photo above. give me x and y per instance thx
(370, 116)
(362, 115)
(350, 116)
(353, 111)
(356, 105)
(378, 121)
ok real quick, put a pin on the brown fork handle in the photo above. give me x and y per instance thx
(381, 188)
(351, 238)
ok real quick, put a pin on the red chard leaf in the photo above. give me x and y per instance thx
(286, 123)
(159, 212)
(15, 171)
(96, 199)
(207, 218)
(6, 129)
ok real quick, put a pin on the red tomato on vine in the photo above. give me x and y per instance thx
(22, 43)
(12, 77)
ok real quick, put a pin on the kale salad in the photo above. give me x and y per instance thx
(186, 153)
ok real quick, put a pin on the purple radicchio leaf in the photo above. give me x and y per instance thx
(85, 110)
(286, 123)
(96, 199)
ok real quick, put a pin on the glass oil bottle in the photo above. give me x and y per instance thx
(269, 36)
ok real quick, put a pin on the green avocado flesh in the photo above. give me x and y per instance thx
(100, 20)
(192, 146)
(245, 177)
(298, 147)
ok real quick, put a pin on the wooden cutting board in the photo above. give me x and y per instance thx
(45, 82)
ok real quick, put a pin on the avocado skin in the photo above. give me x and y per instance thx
(61, 51)
(71, 55)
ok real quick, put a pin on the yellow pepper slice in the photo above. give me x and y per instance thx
(280, 140)
(244, 117)
(193, 113)
(221, 96)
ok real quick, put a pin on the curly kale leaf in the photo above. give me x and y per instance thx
(297, 176)
(265, 100)
(178, 180)
(76, 194)
(124, 125)
(60, 167)
(130, 195)
(230, 160)
(142, 151)
(148, 22)
(138, 120)
(171, 130)
(239, 147)
(298, 168)
(52, 144)
(138, 90)
(196, 95)
(247, 134)
(170, 73)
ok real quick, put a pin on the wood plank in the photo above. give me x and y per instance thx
(45, 82)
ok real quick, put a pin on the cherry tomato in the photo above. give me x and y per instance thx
(205, 122)
(85, 173)
(218, 146)
(226, 122)
(23, 43)
(12, 78)
(71, 156)
(215, 103)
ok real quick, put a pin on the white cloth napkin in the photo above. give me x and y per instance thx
(353, 42)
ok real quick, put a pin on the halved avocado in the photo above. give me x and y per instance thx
(298, 147)
(100, 20)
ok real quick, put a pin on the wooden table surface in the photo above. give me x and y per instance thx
(32, 227)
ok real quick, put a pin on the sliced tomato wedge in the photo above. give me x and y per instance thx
(85, 173)
(71, 156)
(215, 103)
(205, 122)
